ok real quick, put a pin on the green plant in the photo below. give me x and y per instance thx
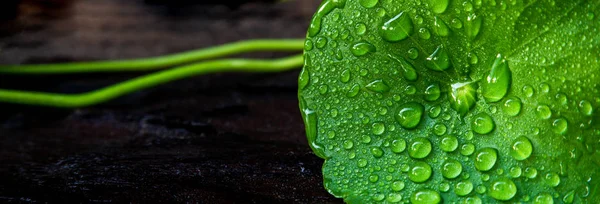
(425, 101)
(460, 101)
(148, 64)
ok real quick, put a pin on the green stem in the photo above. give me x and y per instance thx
(150, 80)
(153, 63)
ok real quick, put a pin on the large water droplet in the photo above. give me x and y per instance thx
(512, 106)
(378, 128)
(440, 28)
(569, 197)
(467, 149)
(473, 25)
(410, 115)
(362, 48)
(398, 185)
(438, 60)
(449, 143)
(325, 8)
(463, 97)
(345, 76)
(304, 78)
(463, 188)
(420, 172)
(310, 121)
(543, 198)
(432, 92)
(419, 148)
(521, 148)
(552, 179)
(368, 3)
(496, 84)
(425, 196)
(586, 108)
(439, 6)
(377, 152)
(397, 28)
(398, 145)
(451, 169)
(503, 189)
(482, 123)
(378, 86)
(560, 126)
(543, 111)
(485, 159)
(408, 70)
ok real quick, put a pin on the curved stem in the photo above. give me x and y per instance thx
(153, 63)
(150, 80)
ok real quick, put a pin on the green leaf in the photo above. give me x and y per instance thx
(475, 101)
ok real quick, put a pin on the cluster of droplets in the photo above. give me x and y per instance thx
(404, 161)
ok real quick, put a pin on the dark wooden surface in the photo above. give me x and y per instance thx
(221, 138)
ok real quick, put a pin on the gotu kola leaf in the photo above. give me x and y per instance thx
(459, 101)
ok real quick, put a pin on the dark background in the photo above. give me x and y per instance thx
(220, 138)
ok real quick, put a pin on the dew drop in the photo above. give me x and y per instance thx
(378, 86)
(378, 128)
(530, 172)
(543, 112)
(304, 78)
(361, 162)
(424, 33)
(394, 198)
(451, 169)
(463, 97)
(463, 188)
(397, 28)
(419, 148)
(425, 196)
(552, 179)
(321, 42)
(362, 48)
(345, 76)
(543, 198)
(439, 6)
(377, 152)
(528, 90)
(496, 84)
(410, 115)
(515, 171)
(438, 60)
(512, 106)
(482, 123)
(325, 8)
(353, 91)
(467, 149)
(413, 53)
(420, 172)
(473, 25)
(503, 189)
(449, 143)
(560, 126)
(439, 129)
(398, 145)
(585, 107)
(368, 3)
(348, 144)
(521, 148)
(408, 70)
(308, 45)
(569, 197)
(397, 185)
(360, 29)
(440, 28)
(432, 92)
(485, 159)
(310, 122)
